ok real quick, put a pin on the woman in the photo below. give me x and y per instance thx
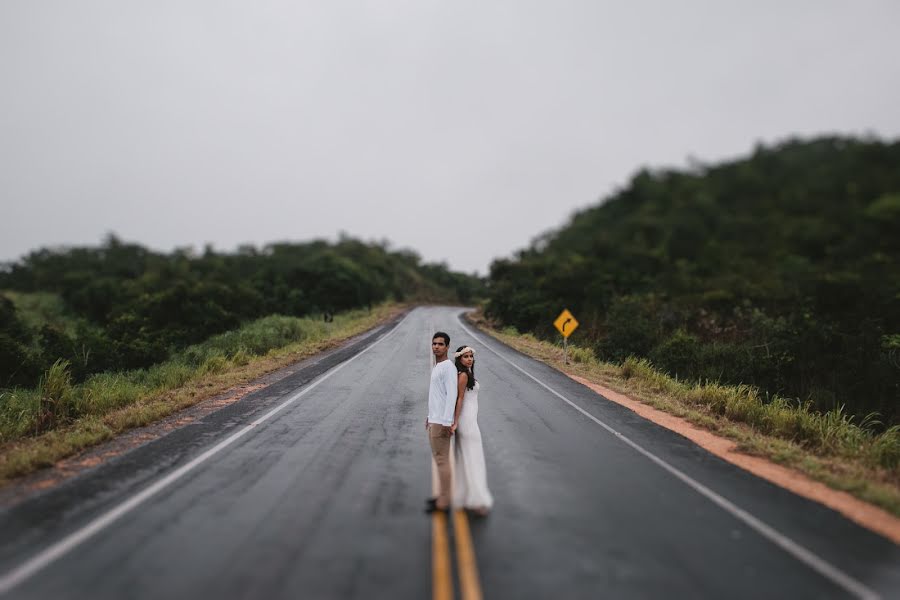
(470, 489)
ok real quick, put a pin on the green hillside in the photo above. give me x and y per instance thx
(121, 306)
(781, 270)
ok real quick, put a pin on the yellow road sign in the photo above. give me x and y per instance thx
(566, 323)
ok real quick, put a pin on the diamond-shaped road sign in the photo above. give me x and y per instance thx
(566, 323)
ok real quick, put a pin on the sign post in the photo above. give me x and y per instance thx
(566, 323)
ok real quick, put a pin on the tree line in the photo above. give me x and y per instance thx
(127, 307)
(780, 270)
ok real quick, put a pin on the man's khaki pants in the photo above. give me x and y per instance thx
(439, 436)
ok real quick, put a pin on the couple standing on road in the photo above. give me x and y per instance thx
(453, 410)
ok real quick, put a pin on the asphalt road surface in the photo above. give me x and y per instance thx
(314, 487)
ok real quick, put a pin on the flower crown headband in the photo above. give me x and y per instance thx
(463, 351)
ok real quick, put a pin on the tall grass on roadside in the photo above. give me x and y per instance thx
(56, 401)
(831, 433)
(56, 405)
(256, 338)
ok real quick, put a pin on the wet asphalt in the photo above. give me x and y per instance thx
(324, 498)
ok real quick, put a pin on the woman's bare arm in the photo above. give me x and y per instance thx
(461, 382)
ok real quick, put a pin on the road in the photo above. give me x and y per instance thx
(313, 488)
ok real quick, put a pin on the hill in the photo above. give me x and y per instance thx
(780, 270)
(122, 306)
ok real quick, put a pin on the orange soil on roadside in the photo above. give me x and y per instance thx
(860, 512)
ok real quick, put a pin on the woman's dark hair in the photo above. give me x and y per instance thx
(470, 373)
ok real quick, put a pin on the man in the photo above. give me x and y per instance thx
(441, 408)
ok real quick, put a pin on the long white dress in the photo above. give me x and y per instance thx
(470, 489)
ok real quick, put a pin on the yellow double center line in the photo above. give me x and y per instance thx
(441, 568)
(441, 571)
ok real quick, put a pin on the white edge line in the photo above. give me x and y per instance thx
(805, 556)
(44, 558)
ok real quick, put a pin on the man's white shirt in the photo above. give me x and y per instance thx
(442, 393)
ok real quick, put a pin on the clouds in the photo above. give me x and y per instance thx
(461, 130)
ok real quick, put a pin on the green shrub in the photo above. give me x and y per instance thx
(213, 364)
(885, 449)
(679, 355)
(582, 355)
(642, 370)
(782, 418)
(631, 366)
(255, 338)
(241, 357)
(168, 375)
(632, 326)
(830, 432)
(18, 413)
(108, 391)
(743, 404)
(17, 365)
(712, 395)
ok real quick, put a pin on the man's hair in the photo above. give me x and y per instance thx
(441, 334)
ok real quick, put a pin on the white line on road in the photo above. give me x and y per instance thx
(805, 556)
(65, 545)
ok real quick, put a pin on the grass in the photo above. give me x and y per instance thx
(861, 458)
(58, 419)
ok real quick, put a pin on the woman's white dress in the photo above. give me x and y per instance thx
(470, 489)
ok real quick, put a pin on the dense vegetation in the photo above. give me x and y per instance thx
(780, 270)
(121, 306)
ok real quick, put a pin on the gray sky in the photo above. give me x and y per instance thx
(458, 129)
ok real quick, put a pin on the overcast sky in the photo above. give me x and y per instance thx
(458, 129)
